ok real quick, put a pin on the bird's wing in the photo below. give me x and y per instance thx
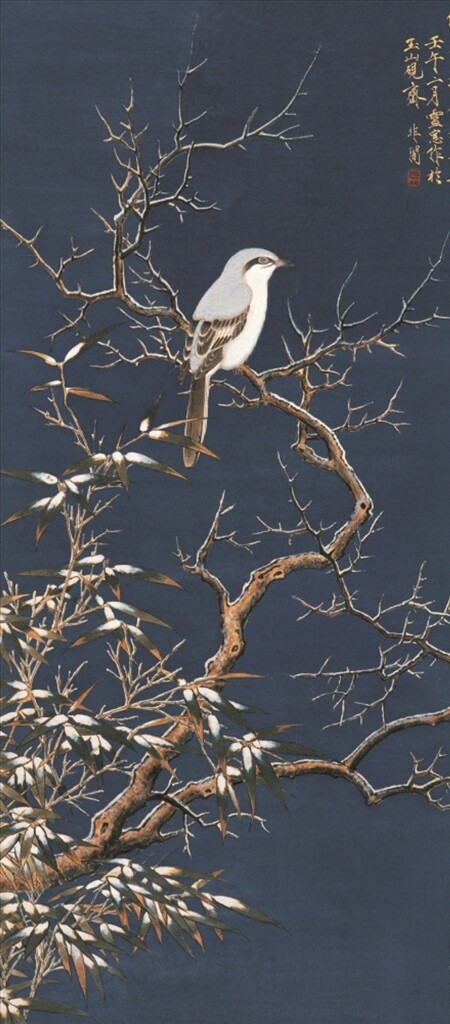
(209, 341)
(184, 369)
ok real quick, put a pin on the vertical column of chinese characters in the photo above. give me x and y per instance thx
(414, 74)
(435, 117)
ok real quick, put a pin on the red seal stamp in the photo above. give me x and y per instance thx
(413, 177)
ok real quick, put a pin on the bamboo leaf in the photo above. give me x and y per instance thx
(5, 654)
(63, 952)
(143, 639)
(233, 798)
(141, 573)
(12, 794)
(79, 702)
(216, 733)
(26, 844)
(103, 728)
(80, 746)
(49, 360)
(94, 973)
(273, 730)
(242, 908)
(249, 773)
(194, 711)
(175, 423)
(239, 675)
(134, 941)
(37, 936)
(186, 922)
(220, 702)
(267, 774)
(25, 648)
(222, 803)
(86, 393)
(158, 434)
(211, 922)
(80, 968)
(276, 747)
(49, 514)
(50, 1006)
(33, 477)
(46, 854)
(111, 626)
(137, 459)
(46, 384)
(15, 937)
(90, 462)
(27, 510)
(113, 581)
(7, 844)
(91, 560)
(60, 571)
(121, 468)
(138, 613)
(86, 343)
(147, 420)
(97, 479)
(74, 489)
(176, 932)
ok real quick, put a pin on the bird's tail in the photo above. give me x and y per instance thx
(197, 415)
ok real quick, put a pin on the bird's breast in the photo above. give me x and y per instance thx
(239, 349)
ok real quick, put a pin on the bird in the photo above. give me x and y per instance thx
(225, 328)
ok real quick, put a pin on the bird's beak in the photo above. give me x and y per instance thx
(284, 263)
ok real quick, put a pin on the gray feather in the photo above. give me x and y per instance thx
(229, 295)
(197, 413)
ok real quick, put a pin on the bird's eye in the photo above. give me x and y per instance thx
(264, 260)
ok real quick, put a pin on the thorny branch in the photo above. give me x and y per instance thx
(109, 835)
(141, 189)
(137, 738)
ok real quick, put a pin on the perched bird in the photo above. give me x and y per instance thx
(226, 326)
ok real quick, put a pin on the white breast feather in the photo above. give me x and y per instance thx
(238, 351)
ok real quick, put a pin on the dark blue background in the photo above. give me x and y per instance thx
(359, 890)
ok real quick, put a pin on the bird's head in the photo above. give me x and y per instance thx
(255, 265)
